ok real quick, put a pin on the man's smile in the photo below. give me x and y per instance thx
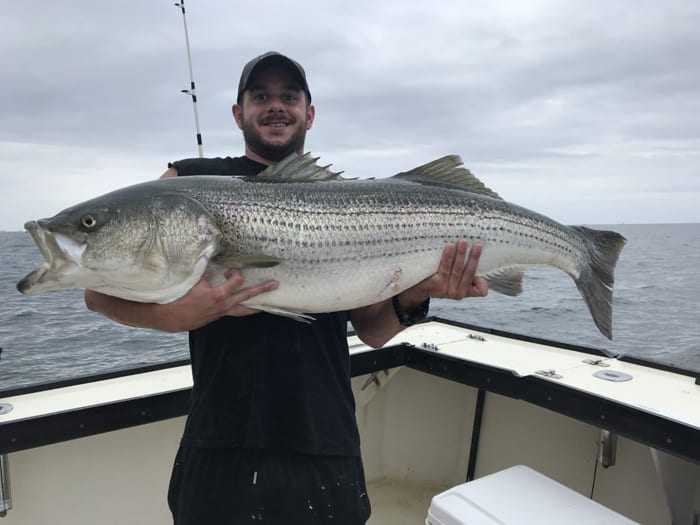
(276, 123)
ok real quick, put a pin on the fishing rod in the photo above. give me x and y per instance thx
(191, 91)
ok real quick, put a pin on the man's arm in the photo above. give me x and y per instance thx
(201, 305)
(170, 172)
(377, 323)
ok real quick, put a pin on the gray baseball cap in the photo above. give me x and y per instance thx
(274, 58)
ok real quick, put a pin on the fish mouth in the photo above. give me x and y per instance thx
(61, 254)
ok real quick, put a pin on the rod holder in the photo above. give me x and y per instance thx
(607, 448)
(5, 492)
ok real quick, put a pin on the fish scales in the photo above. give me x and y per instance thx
(336, 217)
(362, 226)
(331, 244)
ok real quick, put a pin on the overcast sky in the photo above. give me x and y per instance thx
(588, 112)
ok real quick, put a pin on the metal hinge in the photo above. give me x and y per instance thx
(430, 346)
(549, 373)
(596, 362)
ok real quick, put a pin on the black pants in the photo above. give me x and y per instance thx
(236, 486)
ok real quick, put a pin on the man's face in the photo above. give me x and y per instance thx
(274, 115)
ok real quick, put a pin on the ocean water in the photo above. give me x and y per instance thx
(52, 336)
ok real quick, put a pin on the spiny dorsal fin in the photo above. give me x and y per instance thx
(296, 168)
(447, 171)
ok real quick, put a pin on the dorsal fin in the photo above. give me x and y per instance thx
(447, 171)
(296, 168)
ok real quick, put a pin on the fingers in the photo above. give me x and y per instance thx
(249, 292)
(469, 283)
(457, 272)
(233, 295)
(459, 279)
(481, 287)
(234, 280)
(445, 268)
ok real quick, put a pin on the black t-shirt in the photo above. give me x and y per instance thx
(268, 382)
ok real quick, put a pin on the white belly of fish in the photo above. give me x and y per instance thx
(336, 285)
(343, 285)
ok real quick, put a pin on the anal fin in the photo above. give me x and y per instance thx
(507, 281)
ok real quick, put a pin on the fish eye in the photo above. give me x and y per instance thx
(88, 221)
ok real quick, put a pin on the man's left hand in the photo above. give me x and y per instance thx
(455, 278)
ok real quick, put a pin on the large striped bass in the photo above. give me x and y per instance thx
(332, 244)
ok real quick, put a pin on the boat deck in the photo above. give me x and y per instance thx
(400, 503)
(438, 405)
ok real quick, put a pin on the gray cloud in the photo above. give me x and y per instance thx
(582, 111)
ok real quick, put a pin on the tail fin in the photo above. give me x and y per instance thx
(596, 279)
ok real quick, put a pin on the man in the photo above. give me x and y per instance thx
(271, 435)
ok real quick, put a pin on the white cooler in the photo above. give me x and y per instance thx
(518, 495)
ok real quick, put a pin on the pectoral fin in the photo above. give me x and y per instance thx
(249, 261)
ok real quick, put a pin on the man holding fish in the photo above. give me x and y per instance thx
(272, 434)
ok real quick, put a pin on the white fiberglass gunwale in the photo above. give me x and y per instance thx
(532, 370)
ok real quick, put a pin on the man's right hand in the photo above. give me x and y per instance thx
(201, 305)
(229, 295)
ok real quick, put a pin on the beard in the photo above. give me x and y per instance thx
(269, 151)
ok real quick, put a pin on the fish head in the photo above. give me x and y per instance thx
(137, 244)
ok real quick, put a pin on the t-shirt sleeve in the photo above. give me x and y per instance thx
(228, 166)
(197, 166)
